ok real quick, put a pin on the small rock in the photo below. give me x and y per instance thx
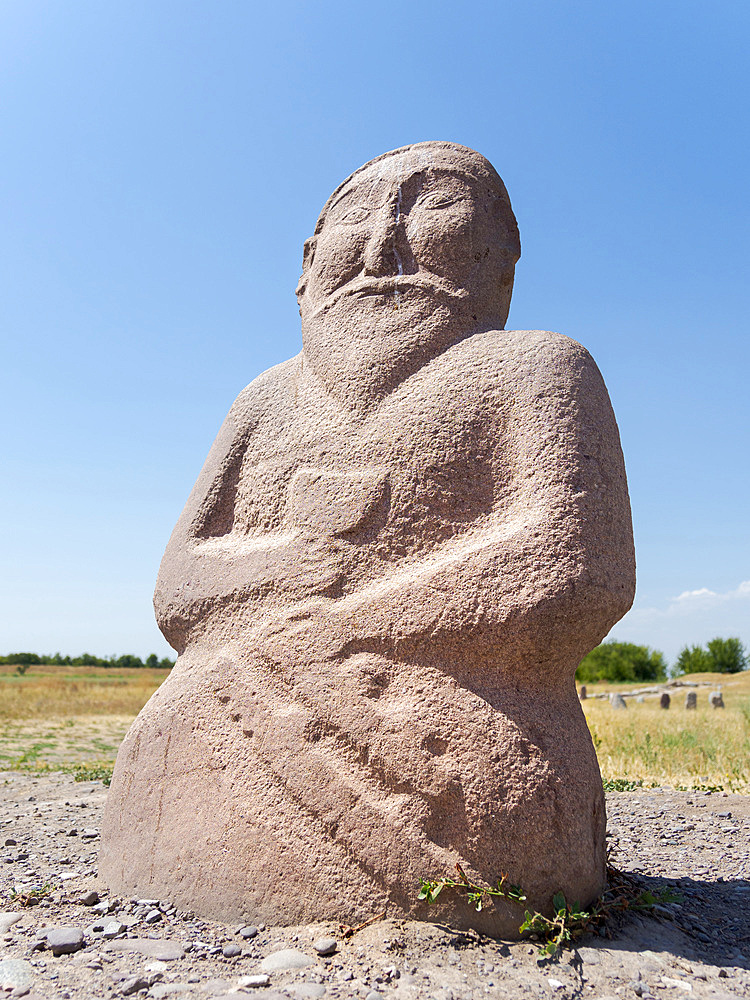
(89, 898)
(164, 951)
(257, 980)
(161, 990)
(309, 991)
(231, 950)
(10, 842)
(715, 700)
(680, 984)
(286, 958)
(589, 955)
(555, 984)
(153, 916)
(249, 931)
(111, 928)
(132, 985)
(89, 833)
(691, 700)
(7, 919)
(325, 945)
(616, 700)
(64, 940)
(374, 995)
(15, 974)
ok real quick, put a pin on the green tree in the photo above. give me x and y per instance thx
(693, 660)
(622, 661)
(25, 659)
(128, 661)
(728, 655)
(723, 656)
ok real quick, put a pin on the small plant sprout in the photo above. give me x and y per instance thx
(31, 896)
(477, 895)
(569, 921)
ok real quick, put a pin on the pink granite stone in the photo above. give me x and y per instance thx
(402, 543)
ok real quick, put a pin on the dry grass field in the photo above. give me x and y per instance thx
(688, 749)
(74, 718)
(69, 717)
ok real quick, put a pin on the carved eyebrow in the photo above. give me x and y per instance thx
(363, 189)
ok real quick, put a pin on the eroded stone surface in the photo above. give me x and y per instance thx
(401, 545)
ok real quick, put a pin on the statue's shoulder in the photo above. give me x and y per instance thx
(525, 348)
(267, 394)
(531, 358)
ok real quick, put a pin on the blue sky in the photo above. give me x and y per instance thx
(162, 162)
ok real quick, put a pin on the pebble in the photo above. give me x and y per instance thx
(589, 955)
(231, 950)
(249, 931)
(132, 985)
(89, 898)
(64, 940)
(555, 984)
(164, 951)
(153, 916)
(15, 974)
(259, 979)
(309, 991)
(111, 928)
(285, 959)
(325, 945)
(7, 919)
(679, 984)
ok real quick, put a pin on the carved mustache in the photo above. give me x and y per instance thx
(394, 284)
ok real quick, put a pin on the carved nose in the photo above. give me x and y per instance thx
(382, 256)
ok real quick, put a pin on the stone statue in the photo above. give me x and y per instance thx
(401, 545)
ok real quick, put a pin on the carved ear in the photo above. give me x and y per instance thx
(308, 253)
(505, 219)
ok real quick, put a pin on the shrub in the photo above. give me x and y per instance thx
(622, 661)
(723, 656)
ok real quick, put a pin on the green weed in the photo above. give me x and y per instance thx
(477, 895)
(31, 897)
(569, 921)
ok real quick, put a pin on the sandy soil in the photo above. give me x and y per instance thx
(695, 843)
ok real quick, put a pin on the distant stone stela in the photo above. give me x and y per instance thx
(401, 545)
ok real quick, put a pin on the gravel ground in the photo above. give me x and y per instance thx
(79, 942)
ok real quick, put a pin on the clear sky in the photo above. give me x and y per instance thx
(162, 162)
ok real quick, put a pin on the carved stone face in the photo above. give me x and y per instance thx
(412, 253)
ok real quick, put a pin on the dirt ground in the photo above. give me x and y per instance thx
(695, 843)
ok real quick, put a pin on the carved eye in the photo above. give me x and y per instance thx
(354, 215)
(438, 199)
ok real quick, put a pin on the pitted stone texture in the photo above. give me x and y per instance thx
(402, 543)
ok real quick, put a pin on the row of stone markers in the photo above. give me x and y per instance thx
(616, 700)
